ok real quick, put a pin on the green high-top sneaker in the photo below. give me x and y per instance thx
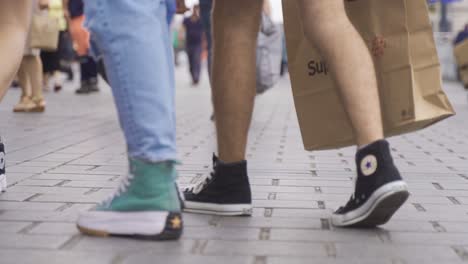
(146, 205)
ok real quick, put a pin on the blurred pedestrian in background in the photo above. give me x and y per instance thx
(74, 11)
(178, 42)
(193, 43)
(51, 59)
(30, 78)
(205, 14)
(461, 37)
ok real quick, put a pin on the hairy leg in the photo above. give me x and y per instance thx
(235, 29)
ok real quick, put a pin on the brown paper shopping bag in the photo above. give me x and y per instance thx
(461, 56)
(44, 32)
(399, 36)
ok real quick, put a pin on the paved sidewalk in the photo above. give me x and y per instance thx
(71, 157)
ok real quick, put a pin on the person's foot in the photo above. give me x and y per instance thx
(93, 85)
(70, 74)
(39, 105)
(57, 88)
(3, 181)
(225, 192)
(379, 189)
(146, 205)
(84, 88)
(24, 105)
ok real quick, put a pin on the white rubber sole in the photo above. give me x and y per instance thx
(3, 183)
(218, 209)
(378, 209)
(149, 225)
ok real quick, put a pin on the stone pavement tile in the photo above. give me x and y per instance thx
(410, 226)
(16, 241)
(316, 195)
(455, 186)
(280, 176)
(85, 169)
(15, 177)
(462, 199)
(184, 259)
(127, 246)
(409, 253)
(26, 169)
(429, 239)
(221, 233)
(264, 248)
(49, 190)
(301, 213)
(312, 182)
(445, 209)
(270, 222)
(30, 206)
(200, 220)
(62, 157)
(322, 236)
(106, 169)
(34, 182)
(29, 256)
(37, 216)
(68, 214)
(12, 227)
(425, 216)
(288, 189)
(331, 260)
(454, 226)
(93, 184)
(94, 197)
(425, 199)
(16, 196)
(285, 204)
(55, 228)
(74, 177)
(47, 164)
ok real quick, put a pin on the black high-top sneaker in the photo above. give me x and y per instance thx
(379, 189)
(3, 182)
(225, 192)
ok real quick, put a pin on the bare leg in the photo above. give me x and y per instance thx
(378, 182)
(235, 28)
(15, 17)
(351, 64)
(24, 79)
(35, 71)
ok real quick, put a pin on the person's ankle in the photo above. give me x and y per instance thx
(229, 159)
(367, 143)
(230, 170)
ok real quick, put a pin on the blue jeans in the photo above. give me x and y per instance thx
(132, 37)
(194, 57)
(171, 8)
